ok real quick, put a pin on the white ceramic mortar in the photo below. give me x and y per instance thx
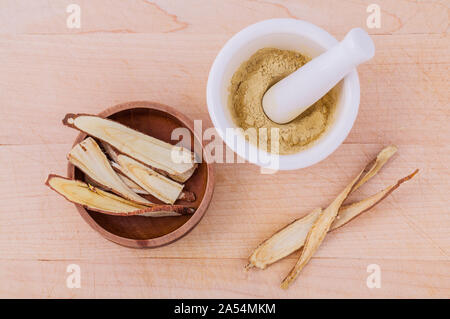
(288, 34)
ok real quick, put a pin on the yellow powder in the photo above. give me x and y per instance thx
(254, 77)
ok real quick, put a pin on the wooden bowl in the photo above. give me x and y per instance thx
(158, 121)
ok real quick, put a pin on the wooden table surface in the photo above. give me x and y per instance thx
(162, 51)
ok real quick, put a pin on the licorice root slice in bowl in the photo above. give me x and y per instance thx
(159, 121)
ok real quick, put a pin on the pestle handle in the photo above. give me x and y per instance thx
(291, 96)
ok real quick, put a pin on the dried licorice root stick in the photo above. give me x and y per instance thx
(136, 183)
(184, 195)
(284, 242)
(150, 181)
(318, 231)
(292, 237)
(100, 201)
(89, 158)
(134, 187)
(175, 160)
(349, 212)
(372, 169)
(156, 184)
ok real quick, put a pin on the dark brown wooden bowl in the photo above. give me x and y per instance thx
(158, 121)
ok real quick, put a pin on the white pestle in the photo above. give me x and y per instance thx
(291, 96)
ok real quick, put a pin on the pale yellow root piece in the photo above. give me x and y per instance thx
(183, 177)
(135, 187)
(100, 201)
(378, 163)
(318, 231)
(323, 223)
(110, 151)
(349, 212)
(156, 184)
(176, 177)
(184, 195)
(285, 241)
(89, 158)
(174, 160)
(292, 237)
(132, 185)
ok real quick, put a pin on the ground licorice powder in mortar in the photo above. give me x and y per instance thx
(248, 85)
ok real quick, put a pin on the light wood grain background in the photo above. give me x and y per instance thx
(162, 51)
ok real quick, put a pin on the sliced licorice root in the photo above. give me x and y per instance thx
(101, 201)
(374, 167)
(322, 225)
(135, 187)
(89, 158)
(265, 253)
(284, 242)
(177, 161)
(318, 223)
(184, 195)
(292, 237)
(318, 232)
(156, 184)
(150, 181)
(349, 212)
